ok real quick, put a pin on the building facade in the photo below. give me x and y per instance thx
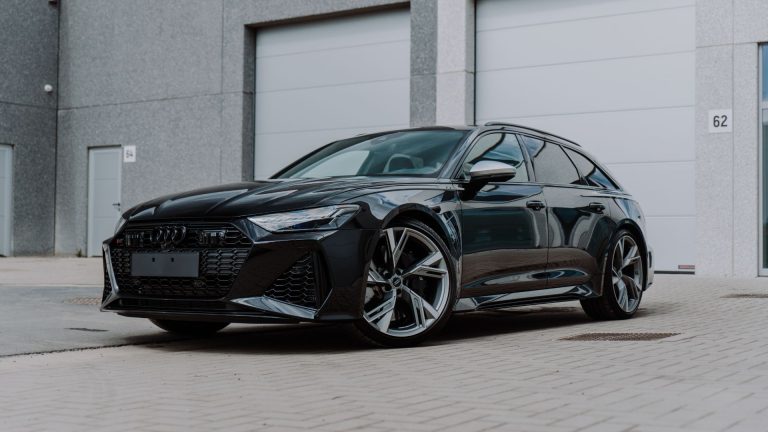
(153, 97)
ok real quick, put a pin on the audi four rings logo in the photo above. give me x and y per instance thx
(169, 235)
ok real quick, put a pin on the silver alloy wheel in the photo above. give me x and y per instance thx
(627, 273)
(408, 283)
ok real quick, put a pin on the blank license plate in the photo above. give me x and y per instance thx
(178, 264)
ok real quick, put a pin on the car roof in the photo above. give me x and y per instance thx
(499, 125)
(533, 131)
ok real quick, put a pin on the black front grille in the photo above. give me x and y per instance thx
(218, 266)
(196, 236)
(299, 284)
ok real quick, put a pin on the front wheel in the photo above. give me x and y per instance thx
(411, 287)
(623, 283)
(189, 328)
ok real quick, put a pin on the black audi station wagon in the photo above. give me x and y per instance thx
(391, 232)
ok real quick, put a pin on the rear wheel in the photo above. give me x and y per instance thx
(189, 328)
(623, 283)
(411, 286)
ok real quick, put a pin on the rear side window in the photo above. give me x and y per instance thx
(592, 174)
(550, 164)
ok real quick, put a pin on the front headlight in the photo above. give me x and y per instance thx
(120, 224)
(316, 219)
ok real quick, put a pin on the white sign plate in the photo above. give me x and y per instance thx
(129, 154)
(720, 121)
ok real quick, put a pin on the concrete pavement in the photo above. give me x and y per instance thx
(38, 271)
(509, 370)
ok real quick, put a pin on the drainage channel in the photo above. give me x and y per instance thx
(618, 337)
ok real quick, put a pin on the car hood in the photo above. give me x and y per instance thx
(259, 197)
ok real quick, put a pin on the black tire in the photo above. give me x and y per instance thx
(189, 328)
(366, 332)
(606, 307)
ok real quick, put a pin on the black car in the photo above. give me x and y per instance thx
(391, 232)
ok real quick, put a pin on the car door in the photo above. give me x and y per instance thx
(504, 224)
(579, 222)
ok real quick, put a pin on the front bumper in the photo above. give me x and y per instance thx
(253, 276)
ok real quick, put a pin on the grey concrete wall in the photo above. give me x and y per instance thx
(175, 79)
(727, 169)
(143, 73)
(28, 61)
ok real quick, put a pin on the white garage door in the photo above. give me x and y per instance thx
(330, 79)
(616, 76)
(6, 177)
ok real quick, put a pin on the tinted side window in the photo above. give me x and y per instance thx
(499, 147)
(593, 176)
(550, 163)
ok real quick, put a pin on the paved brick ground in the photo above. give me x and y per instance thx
(493, 371)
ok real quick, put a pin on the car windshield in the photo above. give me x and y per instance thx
(414, 153)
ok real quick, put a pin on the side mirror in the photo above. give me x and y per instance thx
(487, 171)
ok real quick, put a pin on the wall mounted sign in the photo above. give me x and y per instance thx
(129, 154)
(720, 121)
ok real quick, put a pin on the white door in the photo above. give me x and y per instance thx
(6, 165)
(616, 76)
(326, 80)
(104, 167)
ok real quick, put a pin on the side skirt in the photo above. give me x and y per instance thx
(548, 295)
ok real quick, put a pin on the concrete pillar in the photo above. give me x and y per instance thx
(455, 75)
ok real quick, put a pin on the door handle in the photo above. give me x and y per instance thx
(597, 207)
(535, 205)
(116, 206)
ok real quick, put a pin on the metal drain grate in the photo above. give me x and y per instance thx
(85, 329)
(746, 296)
(90, 301)
(619, 337)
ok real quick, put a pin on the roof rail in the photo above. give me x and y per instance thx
(531, 129)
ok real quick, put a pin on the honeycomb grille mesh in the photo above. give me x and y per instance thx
(298, 285)
(218, 269)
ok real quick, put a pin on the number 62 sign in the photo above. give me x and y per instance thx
(720, 121)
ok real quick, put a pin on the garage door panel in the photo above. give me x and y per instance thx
(588, 87)
(651, 135)
(673, 240)
(326, 80)
(334, 33)
(492, 14)
(616, 76)
(344, 106)
(650, 184)
(587, 40)
(334, 67)
(294, 145)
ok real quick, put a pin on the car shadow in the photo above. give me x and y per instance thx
(335, 338)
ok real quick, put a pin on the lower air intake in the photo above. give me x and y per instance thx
(299, 285)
